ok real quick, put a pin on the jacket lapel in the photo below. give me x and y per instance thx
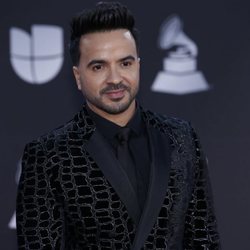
(160, 165)
(103, 155)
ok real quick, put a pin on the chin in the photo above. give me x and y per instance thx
(117, 108)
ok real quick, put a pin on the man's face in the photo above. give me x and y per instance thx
(108, 71)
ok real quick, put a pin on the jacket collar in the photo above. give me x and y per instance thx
(161, 150)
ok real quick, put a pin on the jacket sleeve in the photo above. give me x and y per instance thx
(39, 216)
(200, 222)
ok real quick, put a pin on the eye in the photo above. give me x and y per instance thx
(97, 67)
(126, 63)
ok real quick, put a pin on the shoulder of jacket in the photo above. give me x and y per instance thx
(159, 120)
(75, 128)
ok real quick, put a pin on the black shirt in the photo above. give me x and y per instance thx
(138, 144)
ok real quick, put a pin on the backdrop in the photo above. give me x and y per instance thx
(195, 58)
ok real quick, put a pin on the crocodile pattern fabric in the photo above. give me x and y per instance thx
(66, 202)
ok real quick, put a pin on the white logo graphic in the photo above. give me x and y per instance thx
(37, 58)
(180, 75)
(12, 223)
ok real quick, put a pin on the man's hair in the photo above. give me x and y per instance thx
(106, 16)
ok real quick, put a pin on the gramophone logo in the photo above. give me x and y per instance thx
(180, 75)
(37, 58)
(12, 222)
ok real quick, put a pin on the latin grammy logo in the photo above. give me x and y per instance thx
(180, 75)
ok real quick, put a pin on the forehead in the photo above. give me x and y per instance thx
(106, 43)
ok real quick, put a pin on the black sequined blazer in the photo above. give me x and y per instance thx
(73, 193)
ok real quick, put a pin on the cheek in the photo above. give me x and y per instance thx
(91, 85)
(133, 77)
(95, 78)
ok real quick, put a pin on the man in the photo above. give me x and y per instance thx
(115, 176)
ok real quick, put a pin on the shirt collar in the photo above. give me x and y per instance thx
(110, 129)
(135, 123)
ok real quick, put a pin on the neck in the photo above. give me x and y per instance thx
(120, 119)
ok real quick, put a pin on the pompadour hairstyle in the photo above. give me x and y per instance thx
(106, 16)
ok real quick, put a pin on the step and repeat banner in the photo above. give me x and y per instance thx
(195, 64)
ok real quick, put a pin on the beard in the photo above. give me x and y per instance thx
(116, 106)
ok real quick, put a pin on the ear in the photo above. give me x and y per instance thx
(77, 77)
(139, 61)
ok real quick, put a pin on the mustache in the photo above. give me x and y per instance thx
(114, 86)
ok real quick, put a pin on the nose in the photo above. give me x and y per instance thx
(114, 75)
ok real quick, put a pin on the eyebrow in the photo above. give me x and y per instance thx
(100, 61)
(130, 57)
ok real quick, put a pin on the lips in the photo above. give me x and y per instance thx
(115, 94)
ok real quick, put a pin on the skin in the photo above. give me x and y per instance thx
(108, 74)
